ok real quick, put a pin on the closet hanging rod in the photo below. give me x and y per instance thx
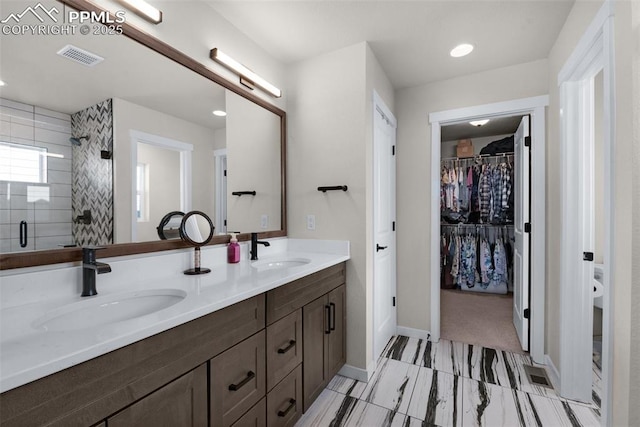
(479, 156)
(476, 225)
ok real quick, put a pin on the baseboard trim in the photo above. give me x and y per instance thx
(359, 374)
(413, 333)
(553, 373)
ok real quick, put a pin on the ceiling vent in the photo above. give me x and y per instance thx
(80, 55)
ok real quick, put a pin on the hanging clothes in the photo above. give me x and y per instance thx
(470, 260)
(477, 193)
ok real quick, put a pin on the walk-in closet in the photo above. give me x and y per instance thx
(484, 181)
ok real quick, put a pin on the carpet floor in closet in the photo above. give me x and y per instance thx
(479, 319)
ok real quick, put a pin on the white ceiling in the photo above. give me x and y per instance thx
(410, 38)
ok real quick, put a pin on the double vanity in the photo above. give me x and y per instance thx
(252, 343)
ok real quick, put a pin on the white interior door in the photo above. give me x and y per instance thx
(521, 249)
(384, 270)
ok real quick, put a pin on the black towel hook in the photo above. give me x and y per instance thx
(333, 188)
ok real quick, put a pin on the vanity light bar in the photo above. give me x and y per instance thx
(243, 71)
(144, 9)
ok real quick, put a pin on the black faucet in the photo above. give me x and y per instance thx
(89, 269)
(254, 245)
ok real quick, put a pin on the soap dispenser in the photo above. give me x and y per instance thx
(233, 250)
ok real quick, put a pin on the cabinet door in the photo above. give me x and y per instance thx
(182, 402)
(237, 380)
(315, 325)
(336, 340)
(284, 347)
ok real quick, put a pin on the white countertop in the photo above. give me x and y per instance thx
(27, 353)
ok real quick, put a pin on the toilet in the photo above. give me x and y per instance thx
(598, 284)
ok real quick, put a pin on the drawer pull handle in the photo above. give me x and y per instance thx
(292, 344)
(250, 375)
(327, 312)
(332, 320)
(292, 404)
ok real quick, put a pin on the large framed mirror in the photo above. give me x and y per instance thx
(112, 147)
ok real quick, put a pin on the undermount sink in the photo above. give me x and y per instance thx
(279, 263)
(103, 310)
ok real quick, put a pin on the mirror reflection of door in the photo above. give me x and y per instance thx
(161, 178)
(158, 188)
(221, 190)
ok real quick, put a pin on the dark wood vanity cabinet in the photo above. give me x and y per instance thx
(321, 297)
(324, 342)
(245, 365)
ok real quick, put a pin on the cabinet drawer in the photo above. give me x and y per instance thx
(284, 402)
(284, 347)
(255, 417)
(292, 296)
(182, 402)
(237, 380)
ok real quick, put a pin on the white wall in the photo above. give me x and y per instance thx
(330, 138)
(253, 164)
(413, 106)
(127, 117)
(634, 380)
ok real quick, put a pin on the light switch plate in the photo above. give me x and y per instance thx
(311, 222)
(264, 221)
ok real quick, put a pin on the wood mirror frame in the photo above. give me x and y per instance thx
(55, 256)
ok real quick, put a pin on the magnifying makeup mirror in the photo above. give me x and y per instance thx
(169, 227)
(196, 229)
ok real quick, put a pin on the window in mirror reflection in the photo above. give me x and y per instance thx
(142, 192)
(23, 163)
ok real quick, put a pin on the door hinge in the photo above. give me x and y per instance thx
(225, 172)
(393, 226)
(527, 227)
(526, 313)
(587, 256)
(393, 150)
(527, 141)
(225, 222)
(394, 301)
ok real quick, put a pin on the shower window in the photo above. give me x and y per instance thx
(23, 163)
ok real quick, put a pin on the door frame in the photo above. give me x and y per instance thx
(535, 107)
(593, 53)
(379, 106)
(220, 158)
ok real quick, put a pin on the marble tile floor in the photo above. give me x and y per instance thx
(421, 383)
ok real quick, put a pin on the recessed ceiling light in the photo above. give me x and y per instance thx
(461, 50)
(2, 83)
(219, 113)
(479, 122)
